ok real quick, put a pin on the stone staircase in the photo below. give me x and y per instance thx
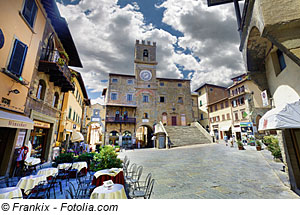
(185, 135)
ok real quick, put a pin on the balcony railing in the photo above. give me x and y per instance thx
(120, 120)
(59, 73)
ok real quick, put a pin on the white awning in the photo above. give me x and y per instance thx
(77, 136)
(12, 120)
(286, 116)
(225, 127)
(236, 129)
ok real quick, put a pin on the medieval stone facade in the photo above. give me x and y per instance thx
(135, 103)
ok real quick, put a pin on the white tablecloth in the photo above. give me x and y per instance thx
(79, 165)
(28, 182)
(64, 165)
(48, 172)
(32, 161)
(10, 192)
(111, 172)
(116, 192)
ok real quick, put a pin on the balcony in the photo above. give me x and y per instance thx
(120, 120)
(60, 74)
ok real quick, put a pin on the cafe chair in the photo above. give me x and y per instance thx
(146, 194)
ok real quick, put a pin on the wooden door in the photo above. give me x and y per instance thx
(174, 121)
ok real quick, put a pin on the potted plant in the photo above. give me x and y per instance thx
(240, 145)
(258, 145)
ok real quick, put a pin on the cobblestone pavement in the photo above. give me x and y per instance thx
(212, 171)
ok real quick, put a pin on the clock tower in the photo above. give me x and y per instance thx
(145, 64)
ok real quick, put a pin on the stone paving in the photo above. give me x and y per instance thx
(212, 171)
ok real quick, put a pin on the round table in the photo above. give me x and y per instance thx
(64, 165)
(48, 171)
(79, 165)
(114, 174)
(28, 182)
(115, 192)
(10, 192)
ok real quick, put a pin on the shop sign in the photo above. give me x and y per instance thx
(41, 124)
(20, 139)
(247, 132)
(145, 120)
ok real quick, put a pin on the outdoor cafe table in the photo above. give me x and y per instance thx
(79, 165)
(64, 165)
(115, 192)
(114, 174)
(28, 182)
(48, 172)
(10, 192)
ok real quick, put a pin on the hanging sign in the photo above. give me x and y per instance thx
(264, 98)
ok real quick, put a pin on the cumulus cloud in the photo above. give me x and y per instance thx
(105, 35)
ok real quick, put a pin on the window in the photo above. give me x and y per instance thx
(162, 84)
(211, 109)
(223, 117)
(125, 115)
(145, 98)
(70, 113)
(200, 103)
(113, 96)
(242, 89)
(74, 114)
(179, 84)
(242, 101)
(17, 58)
(226, 104)
(236, 116)
(217, 118)
(214, 119)
(281, 60)
(180, 100)
(55, 100)
(145, 116)
(40, 94)
(244, 114)
(216, 107)
(211, 89)
(211, 120)
(145, 53)
(114, 80)
(117, 114)
(199, 93)
(234, 104)
(232, 92)
(162, 99)
(228, 116)
(29, 11)
(201, 116)
(222, 105)
(129, 81)
(129, 97)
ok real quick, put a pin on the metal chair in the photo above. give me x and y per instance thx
(134, 180)
(68, 195)
(146, 194)
(131, 171)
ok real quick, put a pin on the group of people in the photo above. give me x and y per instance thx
(231, 140)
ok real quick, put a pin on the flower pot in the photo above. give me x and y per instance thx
(241, 147)
(258, 148)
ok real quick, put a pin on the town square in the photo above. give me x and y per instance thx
(160, 99)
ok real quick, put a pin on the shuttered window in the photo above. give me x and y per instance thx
(17, 58)
(29, 11)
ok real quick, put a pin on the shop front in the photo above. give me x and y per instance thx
(39, 139)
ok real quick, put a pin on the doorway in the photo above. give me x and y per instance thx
(174, 121)
(38, 139)
(144, 136)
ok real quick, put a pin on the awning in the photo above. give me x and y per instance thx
(225, 127)
(286, 116)
(12, 120)
(236, 129)
(77, 136)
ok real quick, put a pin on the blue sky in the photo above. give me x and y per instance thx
(193, 41)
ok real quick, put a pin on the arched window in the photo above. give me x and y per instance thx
(145, 116)
(164, 118)
(117, 114)
(114, 134)
(145, 55)
(126, 138)
(41, 90)
(55, 99)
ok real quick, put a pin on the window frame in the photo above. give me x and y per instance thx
(130, 80)
(145, 100)
(111, 96)
(12, 55)
(28, 22)
(160, 98)
(114, 80)
(127, 96)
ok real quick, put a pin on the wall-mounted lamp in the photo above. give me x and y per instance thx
(15, 91)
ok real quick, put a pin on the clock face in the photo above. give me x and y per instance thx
(145, 75)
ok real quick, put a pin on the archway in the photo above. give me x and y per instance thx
(144, 135)
(126, 138)
(114, 138)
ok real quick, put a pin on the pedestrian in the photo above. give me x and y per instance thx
(226, 139)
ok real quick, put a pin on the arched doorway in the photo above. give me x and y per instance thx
(144, 136)
(114, 138)
(126, 138)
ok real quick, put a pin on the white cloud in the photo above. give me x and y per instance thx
(106, 34)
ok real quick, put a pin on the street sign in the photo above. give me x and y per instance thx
(218, 2)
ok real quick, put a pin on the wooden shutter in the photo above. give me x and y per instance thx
(29, 11)
(17, 58)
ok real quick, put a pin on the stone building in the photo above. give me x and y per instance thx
(246, 103)
(50, 80)
(271, 50)
(135, 103)
(208, 94)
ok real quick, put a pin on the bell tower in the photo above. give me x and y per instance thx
(145, 63)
